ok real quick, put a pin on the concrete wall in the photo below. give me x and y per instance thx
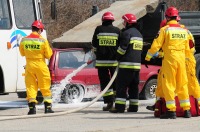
(83, 32)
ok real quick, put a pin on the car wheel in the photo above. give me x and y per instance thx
(149, 89)
(73, 93)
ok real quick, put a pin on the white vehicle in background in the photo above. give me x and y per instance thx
(16, 17)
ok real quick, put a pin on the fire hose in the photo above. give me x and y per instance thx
(69, 111)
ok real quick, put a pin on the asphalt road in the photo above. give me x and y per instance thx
(91, 119)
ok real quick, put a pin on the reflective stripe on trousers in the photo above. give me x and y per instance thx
(171, 105)
(109, 92)
(120, 101)
(47, 99)
(32, 100)
(134, 102)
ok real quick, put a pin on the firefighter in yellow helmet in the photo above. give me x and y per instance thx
(173, 39)
(36, 49)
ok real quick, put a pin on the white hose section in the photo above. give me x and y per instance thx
(69, 111)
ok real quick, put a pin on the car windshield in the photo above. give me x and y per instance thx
(74, 59)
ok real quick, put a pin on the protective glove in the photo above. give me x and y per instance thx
(147, 58)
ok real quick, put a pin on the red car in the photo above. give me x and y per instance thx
(86, 83)
(148, 81)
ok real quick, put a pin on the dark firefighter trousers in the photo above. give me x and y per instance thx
(105, 74)
(127, 85)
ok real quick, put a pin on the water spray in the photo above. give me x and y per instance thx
(69, 111)
(57, 89)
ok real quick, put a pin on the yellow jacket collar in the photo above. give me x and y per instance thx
(172, 22)
(35, 33)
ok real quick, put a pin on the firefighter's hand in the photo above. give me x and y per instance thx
(147, 58)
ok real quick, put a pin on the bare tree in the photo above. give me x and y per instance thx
(69, 14)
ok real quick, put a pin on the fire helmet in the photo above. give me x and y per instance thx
(108, 16)
(129, 18)
(38, 24)
(171, 12)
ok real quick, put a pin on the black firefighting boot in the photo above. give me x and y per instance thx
(32, 109)
(114, 110)
(132, 108)
(169, 115)
(151, 108)
(48, 108)
(187, 114)
(108, 107)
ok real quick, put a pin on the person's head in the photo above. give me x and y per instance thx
(108, 16)
(171, 13)
(129, 20)
(37, 26)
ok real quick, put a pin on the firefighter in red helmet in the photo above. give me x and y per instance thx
(173, 39)
(105, 42)
(36, 49)
(193, 85)
(129, 57)
(38, 24)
